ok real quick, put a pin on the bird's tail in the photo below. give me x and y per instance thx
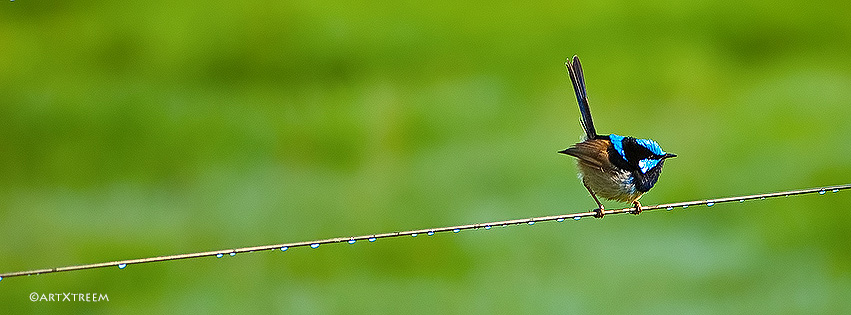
(574, 68)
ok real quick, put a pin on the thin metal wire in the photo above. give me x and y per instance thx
(576, 216)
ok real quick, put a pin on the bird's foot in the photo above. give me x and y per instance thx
(599, 211)
(637, 207)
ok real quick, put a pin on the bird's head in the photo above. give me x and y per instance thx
(643, 155)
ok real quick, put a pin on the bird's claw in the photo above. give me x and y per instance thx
(637, 210)
(599, 212)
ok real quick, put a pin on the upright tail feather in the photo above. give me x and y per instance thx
(574, 68)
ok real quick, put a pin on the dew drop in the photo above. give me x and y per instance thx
(283, 249)
(560, 220)
(577, 218)
(1, 278)
(430, 233)
(685, 207)
(763, 198)
(232, 254)
(709, 204)
(414, 235)
(741, 200)
(456, 230)
(352, 241)
(821, 192)
(314, 246)
(835, 190)
(371, 239)
(531, 222)
(487, 227)
(669, 208)
(219, 255)
(122, 266)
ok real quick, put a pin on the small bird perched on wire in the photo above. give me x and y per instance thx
(613, 167)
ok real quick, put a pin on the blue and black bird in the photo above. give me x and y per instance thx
(613, 167)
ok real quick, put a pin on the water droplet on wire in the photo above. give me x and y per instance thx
(219, 255)
(709, 204)
(560, 220)
(371, 239)
(283, 249)
(352, 241)
(414, 235)
(314, 245)
(821, 192)
(685, 207)
(430, 233)
(669, 208)
(835, 190)
(577, 218)
(232, 254)
(456, 230)
(531, 222)
(487, 227)
(122, 266)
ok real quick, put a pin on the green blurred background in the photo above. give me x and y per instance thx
(142, 128)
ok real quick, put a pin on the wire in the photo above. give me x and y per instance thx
(371, 238)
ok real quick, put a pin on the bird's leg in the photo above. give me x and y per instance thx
(600, 205)
(637, 207)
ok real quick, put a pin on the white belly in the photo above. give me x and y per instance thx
(611, 184)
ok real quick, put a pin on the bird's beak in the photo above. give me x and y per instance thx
(668, 155)
(563, 151)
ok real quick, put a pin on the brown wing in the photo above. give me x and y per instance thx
(594, 153)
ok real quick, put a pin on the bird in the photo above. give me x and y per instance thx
(614, 167)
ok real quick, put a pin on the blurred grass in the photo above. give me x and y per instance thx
(135, 129)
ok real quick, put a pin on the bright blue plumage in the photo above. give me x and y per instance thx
(651, 145)
(646, 165)
(617, 142)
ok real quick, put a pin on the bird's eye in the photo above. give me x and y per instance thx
(646, 164)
